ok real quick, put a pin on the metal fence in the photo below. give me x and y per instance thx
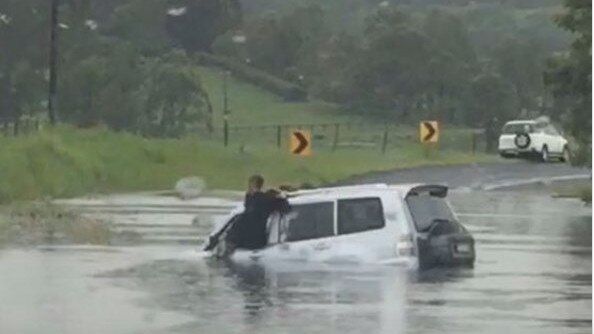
(338, 136)
(325, 136)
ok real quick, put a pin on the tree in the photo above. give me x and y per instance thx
(23, 27)
(522, 63)
(173, 97)
(403, 71)
(141, 22)
(449, 34)
(493, 100)
(284, 45)
(195, 24)
(272, 44)
(570, 74)
(100, 87)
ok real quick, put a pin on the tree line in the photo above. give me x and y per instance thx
(129, 63)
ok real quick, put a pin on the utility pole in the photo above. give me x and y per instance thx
(225, 110)
(53, 64)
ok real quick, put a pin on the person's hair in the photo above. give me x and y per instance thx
(257, 181)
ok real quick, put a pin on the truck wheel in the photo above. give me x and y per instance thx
(522, 140)
(544, 154)
(566, 156)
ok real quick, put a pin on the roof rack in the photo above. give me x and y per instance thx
(338, 188)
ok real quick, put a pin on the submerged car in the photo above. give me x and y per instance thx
(533, 139)
(409, 225)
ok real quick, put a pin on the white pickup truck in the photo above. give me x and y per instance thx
(533, 138)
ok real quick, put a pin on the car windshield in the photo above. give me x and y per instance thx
(426, 209)
(517, 128)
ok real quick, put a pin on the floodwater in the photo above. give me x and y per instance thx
(533, 275)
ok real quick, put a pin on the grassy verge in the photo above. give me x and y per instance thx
(66, 162)
(28, 224)
(581, 191)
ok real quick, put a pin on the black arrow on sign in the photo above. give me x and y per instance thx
(431, 130)
(302, 142)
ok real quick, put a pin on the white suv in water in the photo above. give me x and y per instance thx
(409, 225)
(533, 138)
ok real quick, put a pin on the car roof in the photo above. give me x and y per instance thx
(331, 193)
(528, 121)
(326, 194)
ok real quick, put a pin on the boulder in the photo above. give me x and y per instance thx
(190, 187)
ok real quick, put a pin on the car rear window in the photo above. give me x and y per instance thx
(359, 215)
(518, 128)
(425, 209)
(311, 221)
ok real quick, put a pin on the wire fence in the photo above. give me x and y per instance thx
(338, 136)
(325, 136)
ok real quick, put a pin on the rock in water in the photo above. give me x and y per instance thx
(190, 187)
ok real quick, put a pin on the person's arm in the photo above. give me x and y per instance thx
(278, 202)
(283, 205)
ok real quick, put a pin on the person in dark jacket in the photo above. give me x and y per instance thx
(250, 232)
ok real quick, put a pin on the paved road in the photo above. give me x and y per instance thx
(484, 176)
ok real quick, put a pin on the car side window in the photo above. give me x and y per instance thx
(310, 221)
(359, 215)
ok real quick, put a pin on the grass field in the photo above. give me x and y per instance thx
(251, 105)
(65, 162)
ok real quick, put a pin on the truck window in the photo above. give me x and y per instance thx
(514, 128)
(310, 221)
(359, 215)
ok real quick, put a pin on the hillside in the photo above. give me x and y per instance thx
(251, 105)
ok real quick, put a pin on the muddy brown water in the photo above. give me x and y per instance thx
(533, 275)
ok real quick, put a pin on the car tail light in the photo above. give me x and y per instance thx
(405, 245)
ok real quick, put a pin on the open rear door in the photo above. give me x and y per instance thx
(215, 238)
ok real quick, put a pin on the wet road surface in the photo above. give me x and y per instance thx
(533, 275)
(478, 176)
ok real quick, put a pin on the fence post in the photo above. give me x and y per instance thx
(336, 134)
(16, 127)
(473, 142)
(385, 141)
(226, 132)
(278, 136)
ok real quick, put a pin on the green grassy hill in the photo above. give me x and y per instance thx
(251, 105)
(64, 161)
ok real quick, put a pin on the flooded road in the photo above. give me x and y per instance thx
(533, 275)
